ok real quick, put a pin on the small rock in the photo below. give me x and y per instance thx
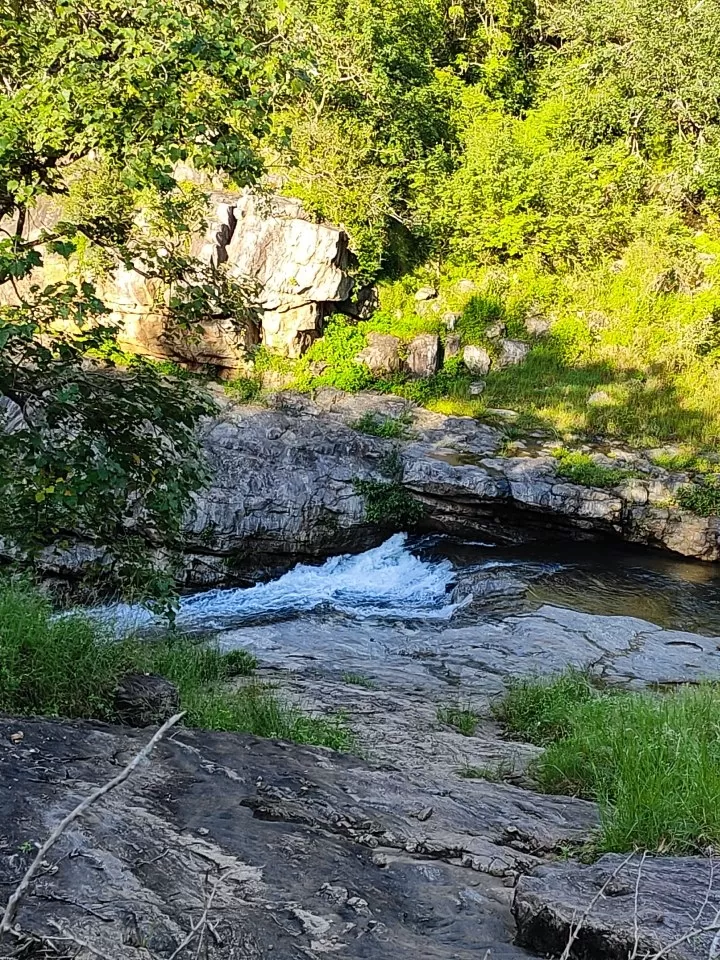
(599, 397)
(476, 388)
(142, 699)
(495, 331)
(426, 293)
(203, 831)
(17, 737)
(502, 414)
(537, 324)
(477, 360)
(466, 286)
(382, 354)
(452, 345)
(423, 357)
(450, 319)
(512, 352)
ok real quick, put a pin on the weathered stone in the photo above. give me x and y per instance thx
(495, 331)
(512, 352)
(423, 355)
(477, 360)
(466, 286)
(452, 345)
(295, 272)
(537, 323)
(306, 852)
(675, 895)
(426, 293)
(599, 397)
(382, 354)
(476, 388)
(450, 319)
(142, 699)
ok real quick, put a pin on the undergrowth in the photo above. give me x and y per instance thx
(68, 666)
(581, 468)
(463, 719)
(650, 760)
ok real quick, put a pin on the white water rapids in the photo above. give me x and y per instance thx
(387, 582)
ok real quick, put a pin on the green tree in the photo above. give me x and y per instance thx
(126, 91)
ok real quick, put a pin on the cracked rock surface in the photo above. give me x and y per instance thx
(317, 853)
(284, 477)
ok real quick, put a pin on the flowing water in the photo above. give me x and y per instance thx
(430, 580)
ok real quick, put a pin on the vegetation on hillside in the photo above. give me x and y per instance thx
(551, 168)
(651, 760)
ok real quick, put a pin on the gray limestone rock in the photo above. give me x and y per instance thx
(477, 360)
(674, 896)
(423, 355)
(382, 354)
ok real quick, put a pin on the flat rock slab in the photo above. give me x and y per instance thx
(308, 852)
(677, 898)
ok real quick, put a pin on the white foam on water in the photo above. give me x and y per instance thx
(388, 582)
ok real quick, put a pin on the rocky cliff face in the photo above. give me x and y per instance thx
(284, 486)
(297, 270)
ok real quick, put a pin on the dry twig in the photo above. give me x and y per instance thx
(21, 889)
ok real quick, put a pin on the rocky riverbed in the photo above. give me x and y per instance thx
(425, 843)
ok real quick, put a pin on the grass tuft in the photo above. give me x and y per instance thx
(461, 718)
(69, 667)
(581, 468)
(651, 761)
(702, 499)
(375, 425)
(358, 680)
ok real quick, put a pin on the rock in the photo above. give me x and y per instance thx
(671, 891)
(452, 345)
(512, 352)
(502, 414)
(297, 272)
(599, 398)
(426, 293)
(142, 699)
(476, 388)
(289, 847)
(423, 355)
(450, 319)
(382, 354)
(477, 360)
(495, 331)
(536, 323)
(466, 286)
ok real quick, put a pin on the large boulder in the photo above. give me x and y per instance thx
(382, 355)
(295, 272)
(423, 355)
(477, 360)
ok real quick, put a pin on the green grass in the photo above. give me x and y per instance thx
(702, 499)
(389, 428)
(581, 468)
(463, 719)
(359, 680)
(68, 667)
(650, 760)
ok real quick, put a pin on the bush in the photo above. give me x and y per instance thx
(388, 503)
(651, 761)
(67, 666)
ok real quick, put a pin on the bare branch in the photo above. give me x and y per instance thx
(574, 931)
(21, 889)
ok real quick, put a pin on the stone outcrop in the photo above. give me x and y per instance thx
(284, 486)
(296, 273)
(308, 852)
(675, 896)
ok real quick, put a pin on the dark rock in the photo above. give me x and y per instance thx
(309, 852)
(142, 699)
(423, 355)
(674, 895)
